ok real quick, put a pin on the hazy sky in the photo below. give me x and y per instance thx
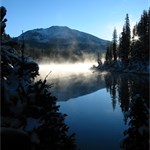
(97, 17)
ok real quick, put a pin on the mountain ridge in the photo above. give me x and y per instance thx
(62, 39)
(55, 27)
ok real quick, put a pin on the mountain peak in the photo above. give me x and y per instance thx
(62, 43)
(59, 27)
(63, 38)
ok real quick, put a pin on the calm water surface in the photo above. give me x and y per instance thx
(106, 111)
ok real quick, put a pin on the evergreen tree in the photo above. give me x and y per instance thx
(121, 44)
(114, 45)
(124, 45)
(108, 56)
(143, 33)
(132, 51)
(2, 19)
(140, 41)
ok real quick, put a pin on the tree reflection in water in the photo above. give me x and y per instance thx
(132, 92)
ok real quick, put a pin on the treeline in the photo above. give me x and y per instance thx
(130, 48)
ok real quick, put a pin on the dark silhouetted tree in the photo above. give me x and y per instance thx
(143, 33)
(108, 56)
(2, 19)
(24, 98)
(124, 45)
(114, 45)
(140, 41)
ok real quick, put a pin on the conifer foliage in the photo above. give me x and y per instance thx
(124, 46)
(28, 108)
(2, 19)
(141, 38)
(114, 44)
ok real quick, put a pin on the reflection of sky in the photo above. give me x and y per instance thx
(93, 120)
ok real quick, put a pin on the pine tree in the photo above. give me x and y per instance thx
(114, 45)
(140, 47)
(128, 34)
(124, 45)
(108, 56)
(2, 19)
(121, 45)
(143, 33)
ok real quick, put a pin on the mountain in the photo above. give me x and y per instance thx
(61, 41)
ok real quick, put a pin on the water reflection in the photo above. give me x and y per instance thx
(115, 117)
(91, 117)
(132, 92)
(72, 81)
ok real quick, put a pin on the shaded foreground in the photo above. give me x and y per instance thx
(29, 114)
(29, 106)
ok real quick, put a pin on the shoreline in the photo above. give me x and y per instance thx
(113, 70)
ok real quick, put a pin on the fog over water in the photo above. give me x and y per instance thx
(64, 69)
(71, 80)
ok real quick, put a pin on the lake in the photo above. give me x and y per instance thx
(106, 111)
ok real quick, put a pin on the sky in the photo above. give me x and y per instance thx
(96, 17)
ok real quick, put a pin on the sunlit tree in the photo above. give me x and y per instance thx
(143, 33)
(140, 41)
